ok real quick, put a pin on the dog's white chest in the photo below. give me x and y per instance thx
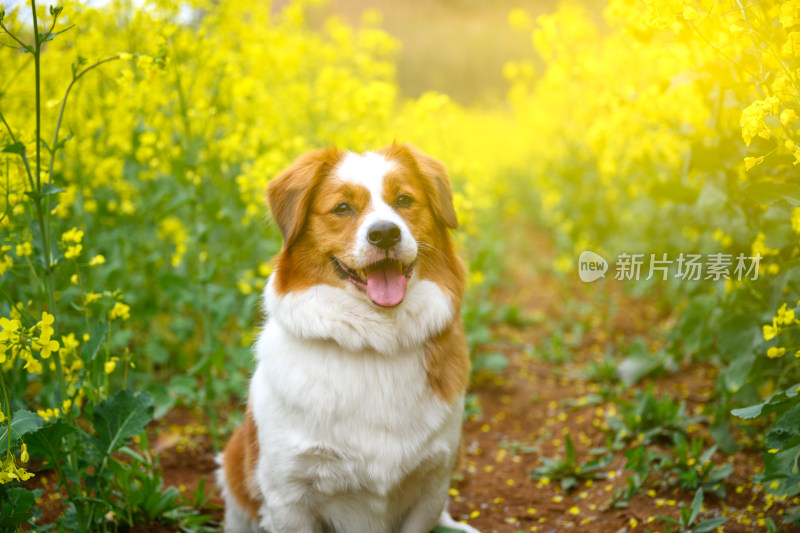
(335, 424)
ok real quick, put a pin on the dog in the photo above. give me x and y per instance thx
(353, 420)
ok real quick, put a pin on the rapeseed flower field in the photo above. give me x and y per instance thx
(136, 142)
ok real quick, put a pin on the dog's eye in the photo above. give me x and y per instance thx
(343, 208)
(403, 200)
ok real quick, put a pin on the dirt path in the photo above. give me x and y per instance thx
(544, 395)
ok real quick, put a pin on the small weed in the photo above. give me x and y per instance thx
(582, 401)
(603, 372)
(472, 406)
(560, 346)
(649, 420)
(694, 468)
(689, 466)
(515, 447)
(640, 461)
(491, 362)
(686, 521)
(568, 470)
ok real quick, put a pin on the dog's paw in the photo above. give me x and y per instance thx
(446, 524)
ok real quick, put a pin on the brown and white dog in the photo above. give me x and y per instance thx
(354, 414)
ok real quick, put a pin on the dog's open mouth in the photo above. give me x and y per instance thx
(385, 281)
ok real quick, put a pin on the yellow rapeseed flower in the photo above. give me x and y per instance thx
(90, 298)
(72, 236)
(120, 310)
(788, 116)
(750, 162)
(49, 414)
(775, 352)
(110, 365)
(24, 249)
(73, 251)
(785, 316)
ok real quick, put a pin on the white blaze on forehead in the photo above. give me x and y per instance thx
(369, 170)
(365, 169)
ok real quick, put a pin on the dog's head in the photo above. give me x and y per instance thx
(365, 222)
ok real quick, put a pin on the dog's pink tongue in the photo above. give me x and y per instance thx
(386, 285)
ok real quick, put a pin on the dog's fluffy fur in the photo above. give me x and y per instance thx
(354, 415)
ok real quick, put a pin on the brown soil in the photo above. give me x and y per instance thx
(526, 412)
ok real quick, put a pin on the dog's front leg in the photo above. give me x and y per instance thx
(286, 507)
(288, 517)
(431, 508)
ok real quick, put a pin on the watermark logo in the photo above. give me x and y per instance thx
(685, 267)
(591, 266)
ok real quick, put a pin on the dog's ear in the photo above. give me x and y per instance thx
(441, 197)
(290, 194)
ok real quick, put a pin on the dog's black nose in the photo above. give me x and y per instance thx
(384, 234)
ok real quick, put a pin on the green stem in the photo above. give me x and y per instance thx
(51, 293)
(75, 78)
(23, 45)
(7, 208)
(43, 215)
(33, 271)
(83, 297)
(36, 65)
(24, 158)
(8, 408)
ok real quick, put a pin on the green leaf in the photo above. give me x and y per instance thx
(49, 188)
(14, 148)
(96, 337)
(77, 64)
(694, 329)
(721, 433)
(709, 525)
(185, 387)
(737, 336)
(736, 374)
(16, 507)
(769, 192)
(121, 417)
(47, 440)
(638, 365)
(569, 483)
(774, 403)
(771, 527)
(60, 144)
(749, 412)
(711, 197)
(570, 450)
(667, 519)
(697, 503)
(494, 362)
(786, 427)
(43, 38)
(783, 465)
(22, 422)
